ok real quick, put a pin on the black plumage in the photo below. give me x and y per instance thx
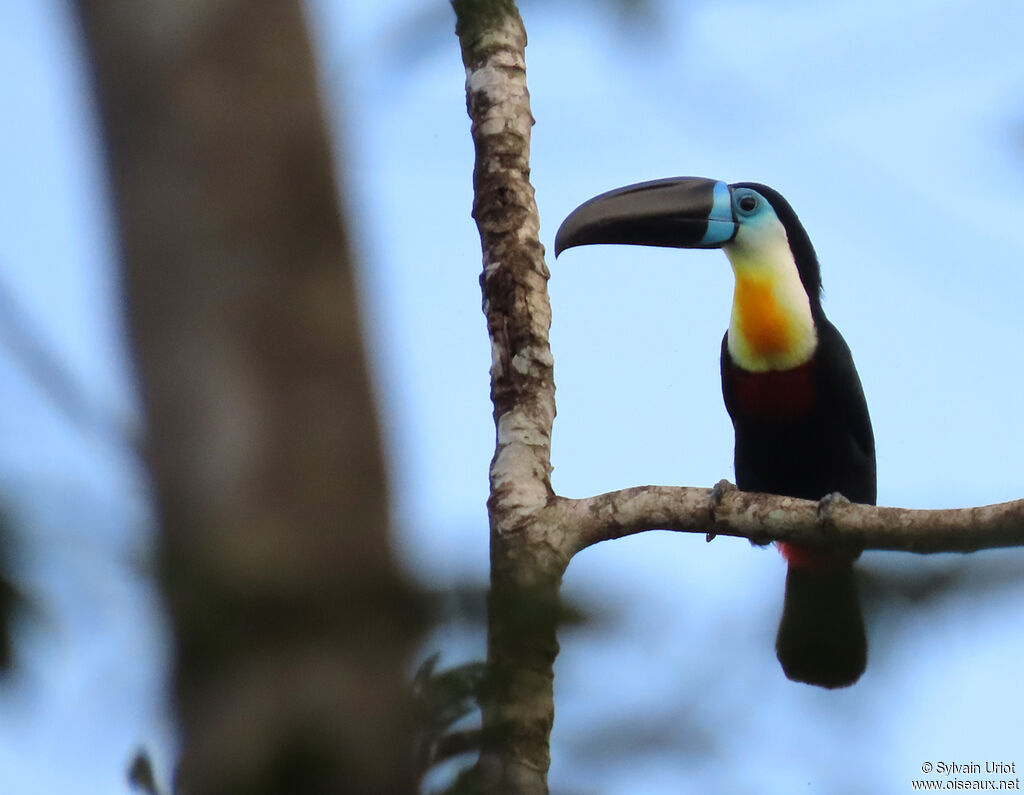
(806, 432)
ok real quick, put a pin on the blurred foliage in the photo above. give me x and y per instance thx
(11, 597)
(928, 579)
(899, 588)
(140, 773)
(31, 350)
(448, 699)
(443, 699)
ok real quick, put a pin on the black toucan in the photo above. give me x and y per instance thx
(790, 386)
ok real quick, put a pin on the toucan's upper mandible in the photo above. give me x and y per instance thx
(680, 212)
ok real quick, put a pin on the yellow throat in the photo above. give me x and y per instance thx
(771, 326)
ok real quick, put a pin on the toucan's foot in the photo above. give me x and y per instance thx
(718, 492)
(827, 504)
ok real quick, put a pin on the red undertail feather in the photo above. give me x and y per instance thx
(809, 557)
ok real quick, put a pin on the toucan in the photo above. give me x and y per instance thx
(790, 386)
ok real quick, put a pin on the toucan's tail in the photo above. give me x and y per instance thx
(821, 637)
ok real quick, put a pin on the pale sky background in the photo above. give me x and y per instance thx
(896, 130)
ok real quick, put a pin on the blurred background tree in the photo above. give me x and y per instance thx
(293, 628)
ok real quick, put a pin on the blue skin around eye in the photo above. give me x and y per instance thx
(720, 224)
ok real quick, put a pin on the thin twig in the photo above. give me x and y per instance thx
(25, 343)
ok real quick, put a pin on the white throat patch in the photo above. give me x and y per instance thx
(771, 327)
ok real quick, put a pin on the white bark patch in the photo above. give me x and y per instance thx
(516, 426)
(517, 472)
(530, 229)
(496, 368)
(502, 80)
(544, 356)
(493, 126)
(530, 356)
(494, 80)
(522, 362)
(522, 446)
(506, 52)
(519, 468)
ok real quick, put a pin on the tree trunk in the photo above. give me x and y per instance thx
(292, 624)
(526, 570)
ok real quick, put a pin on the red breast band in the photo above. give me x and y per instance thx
(775, 394)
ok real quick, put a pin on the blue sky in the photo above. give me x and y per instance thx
(89, 687)
(895, 130)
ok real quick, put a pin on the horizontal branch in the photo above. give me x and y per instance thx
(763, 518)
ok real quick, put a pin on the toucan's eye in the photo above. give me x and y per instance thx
(747, 203)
